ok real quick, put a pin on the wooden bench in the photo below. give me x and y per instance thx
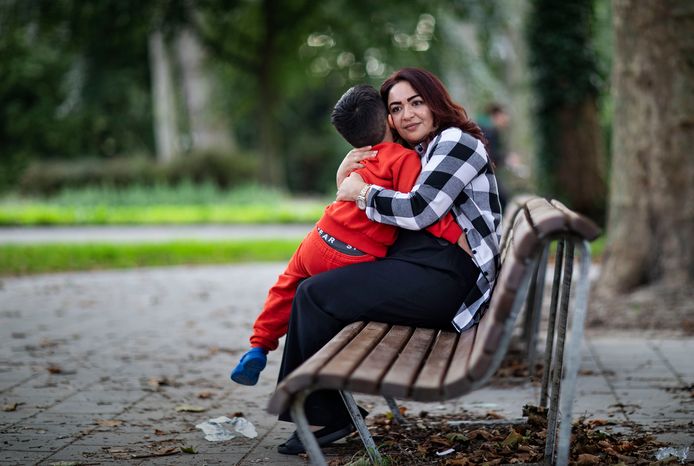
(423, 364)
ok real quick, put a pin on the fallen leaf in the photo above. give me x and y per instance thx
(159, 432)
(164, 451)
(457, 437)
(586, 458)
(10, 407)
(494, 415)
(512, 438)
(190, 409)
(156, 382)
(205, 395)
(119, 453)
(189, 450)
(477, 433)
(109, 422)
(54, 369)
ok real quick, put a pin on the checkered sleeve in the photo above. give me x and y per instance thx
(453, 160)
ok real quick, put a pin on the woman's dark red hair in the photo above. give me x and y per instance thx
(446, 112)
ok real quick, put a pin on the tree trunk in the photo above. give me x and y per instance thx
(272, 171)
(580, 173)
(210, 129)
(651, 208)
(163, 99)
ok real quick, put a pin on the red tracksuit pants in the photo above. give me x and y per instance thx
(312, 257)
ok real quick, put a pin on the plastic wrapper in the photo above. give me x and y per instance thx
(666, 452)
(222, 428)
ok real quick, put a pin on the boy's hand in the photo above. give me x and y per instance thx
(352, 161)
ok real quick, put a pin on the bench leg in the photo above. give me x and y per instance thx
(399, 419)
(558, 359)
(304, 431)
(534, 310)
(573, 360)
(359, 423)
(549, 345)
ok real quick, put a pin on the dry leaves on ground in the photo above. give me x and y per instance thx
(442, 440)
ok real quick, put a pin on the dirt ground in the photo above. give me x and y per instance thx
(657, 308)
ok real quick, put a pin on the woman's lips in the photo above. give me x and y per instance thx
(412, 127)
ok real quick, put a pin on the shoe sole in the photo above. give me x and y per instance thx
(322, 441)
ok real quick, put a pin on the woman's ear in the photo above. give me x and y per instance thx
(390, 121)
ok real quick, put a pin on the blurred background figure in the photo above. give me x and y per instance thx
(495, 124)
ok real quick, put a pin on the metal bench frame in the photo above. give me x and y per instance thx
(561, 360)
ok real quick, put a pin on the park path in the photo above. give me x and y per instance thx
(93, 366)
(140, 234)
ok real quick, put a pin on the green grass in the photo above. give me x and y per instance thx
(160, 205)
(48, 258)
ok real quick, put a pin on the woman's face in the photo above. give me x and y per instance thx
(408, 114)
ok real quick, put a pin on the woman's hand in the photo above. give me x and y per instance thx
(351, 162)
(350, 188)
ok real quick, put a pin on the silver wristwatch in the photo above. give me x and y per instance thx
(361, 197)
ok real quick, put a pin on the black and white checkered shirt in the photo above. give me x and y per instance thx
(456, 175)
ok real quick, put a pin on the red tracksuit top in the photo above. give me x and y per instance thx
(396, 168)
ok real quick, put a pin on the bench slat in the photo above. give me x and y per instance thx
(404, 370)
(456, 380)
(367, 378)
(304, 375)
(335, 373)
(428, 385)
(489, 333)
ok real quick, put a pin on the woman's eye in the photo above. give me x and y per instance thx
(394, 109)
(417, 103)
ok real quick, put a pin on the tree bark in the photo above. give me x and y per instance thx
(272, 172)
(581, 163)
(651, 208)
(209, 127)
(163, 99)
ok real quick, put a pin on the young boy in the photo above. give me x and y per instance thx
(343, 235)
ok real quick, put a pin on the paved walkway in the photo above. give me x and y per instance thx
(93, 367)
(141, 234)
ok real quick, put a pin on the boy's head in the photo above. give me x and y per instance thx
(360, 116)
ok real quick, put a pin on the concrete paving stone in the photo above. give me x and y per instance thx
(34, 442)
(591, 384)
(21, 457)
(86, 407)
(20, 415)
(199, 459)
(598, 406)
(69, 421)
(119, 438)
(85, 453)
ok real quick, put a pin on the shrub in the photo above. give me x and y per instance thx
(47, 178)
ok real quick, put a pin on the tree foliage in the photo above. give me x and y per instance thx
(76, 77)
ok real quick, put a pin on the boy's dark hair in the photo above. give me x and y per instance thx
(360, 116)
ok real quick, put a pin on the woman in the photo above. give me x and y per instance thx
(424, 281)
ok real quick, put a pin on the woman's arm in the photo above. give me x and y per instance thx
(456, 158)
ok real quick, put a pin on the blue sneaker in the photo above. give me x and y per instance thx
(248, 369)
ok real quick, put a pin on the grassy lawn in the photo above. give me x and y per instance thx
(47, 258)
(157, 205)
(160, 205)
